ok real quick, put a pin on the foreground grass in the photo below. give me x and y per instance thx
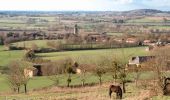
(87, 93)
(41, 82)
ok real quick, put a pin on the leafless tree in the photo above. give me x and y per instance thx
(17, 77)
(159, 65)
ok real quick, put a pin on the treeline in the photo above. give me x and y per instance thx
(58, 46)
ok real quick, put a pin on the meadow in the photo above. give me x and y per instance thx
(148, 19)
(7, 56)
(39, 82)
(95, 54)
(29, 44)
(96, 92)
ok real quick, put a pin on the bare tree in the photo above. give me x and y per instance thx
(54, 70)
(159, 65)
(100, 68)
(34, 46)
(17, 76)
(68, 65)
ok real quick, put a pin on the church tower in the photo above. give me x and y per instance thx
(76, 29)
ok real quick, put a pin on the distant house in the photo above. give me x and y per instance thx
(29, 72)
(118, 40)
(131, 40)
(146, 41)
(38, 71)
(139, 59)
(149, 48)
(95, 37)
(78, 71)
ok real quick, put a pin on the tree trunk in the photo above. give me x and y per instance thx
(14, 89)
(18, 90)
(100, 79)
(115, 77)
(83, 83)
(124, 90)
(25, 88)
(69, 80)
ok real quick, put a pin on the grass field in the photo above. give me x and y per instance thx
(159, 27)
(7, 56)
(94, 54)
(20, 22)
(39, 43)
(148, 19)
(39, 82)
(86, 93)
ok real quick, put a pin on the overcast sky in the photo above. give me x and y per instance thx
(84, 5)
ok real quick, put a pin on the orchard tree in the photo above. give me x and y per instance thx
(100, 68)
(18, 76)
(68, 65)
(159, 65)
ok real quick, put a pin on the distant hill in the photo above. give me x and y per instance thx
(137, 12)
(141, 12)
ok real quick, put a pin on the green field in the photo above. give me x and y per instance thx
(159, 27)
(39, 82)
(94, 54)
(34, 83)
(39, 43)
(7, 56)
(147, 19)
(22, 22)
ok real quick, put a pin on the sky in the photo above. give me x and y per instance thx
(83, 5)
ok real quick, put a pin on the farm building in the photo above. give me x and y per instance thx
(131, 40)
(139, 59)
(29, 72)
(98, 37)
(38, 71)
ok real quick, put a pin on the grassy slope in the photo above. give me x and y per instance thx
(39, 82)
(94, 54)
(7, 56)
(147, 19)
(87, 93)
(39, 43)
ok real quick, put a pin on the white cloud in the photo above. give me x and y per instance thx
(156, 3)
(82, 4)
(62, 4)
(48, 4)
(123, 1)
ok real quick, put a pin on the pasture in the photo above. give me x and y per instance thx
(85, 93)
(7, 56)
(90, 55)
(29, 44)
(23, 22)
(83, 56)
(148, 19)
(45, 81)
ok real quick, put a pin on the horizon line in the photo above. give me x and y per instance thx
(81, 10)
